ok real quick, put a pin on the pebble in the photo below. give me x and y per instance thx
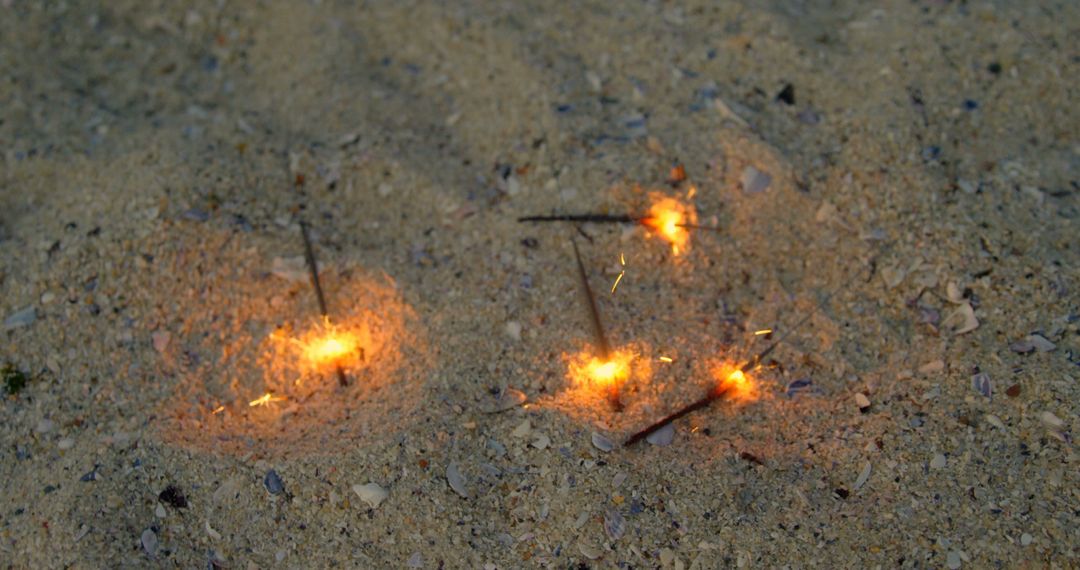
(862, 401)
(601, 442)
(21, 318)
(952, 560)
(273, 483)
(65, 443)
(614, 524)
(755, 181)
(159, 511)
(1051, 420)
(663, 436)
(1025, 539)
(371, 493)
(149, 542)
(292, 269)
(513, 330)
(522, 429)
(994, 421)
(938, 462)
(457, 480)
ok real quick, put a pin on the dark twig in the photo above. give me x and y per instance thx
(594, 218)
(602, 345)
(309, 257)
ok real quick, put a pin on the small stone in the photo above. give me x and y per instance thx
(663, 436)
(513, 330)
(293, 269)
(953, 293)
(1039, 343)
(862, 401)
(385, 189)
(952, 560)
(21, 318)
(415, 561)
(932, 367)
(159, 511)
(1051, 420)
(755, 181)
(160, 340)
(149, 542)
(1026, 539)
(938, 462)
(994, 421)
(667, 556)
(273, 483)
(601, 442)
(457, 480)
(65, 443)
(371, 493)
(522, 429)
(1013, 391)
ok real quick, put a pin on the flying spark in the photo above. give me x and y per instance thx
(666, 359)
(763, 331)
(622, 262)
(266, 399)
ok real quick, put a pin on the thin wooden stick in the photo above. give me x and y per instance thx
(602, 344)
(309, 257)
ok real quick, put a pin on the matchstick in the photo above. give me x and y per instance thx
(602, 345)
(309, 257)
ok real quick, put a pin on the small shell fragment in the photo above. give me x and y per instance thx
(601, 442)
(961, 321)
(863, 402)
(507, 400)
(589, 551)
(614, 524)
(663, 436)
(864, 475)
(981, 383)
(371, 493)
(1051, 420)
(457, 480)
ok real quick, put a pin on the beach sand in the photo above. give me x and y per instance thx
(901, 175)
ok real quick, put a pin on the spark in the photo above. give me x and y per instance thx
(666, 359)
(671, 220)
(622, 262)
(266, 399)
(762, 331)
(691, 192)
(218, 410)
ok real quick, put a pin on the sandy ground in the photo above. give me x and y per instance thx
(921, 188)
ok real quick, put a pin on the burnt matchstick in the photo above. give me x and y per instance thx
(602, 344)
(309, 257)
(721, 390)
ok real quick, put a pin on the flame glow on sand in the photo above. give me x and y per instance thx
(264, 378)
(592, 380)
(668, 218)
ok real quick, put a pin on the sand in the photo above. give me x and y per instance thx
(904, 173)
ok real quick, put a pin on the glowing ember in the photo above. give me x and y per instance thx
(738, 386)
(218, 410)
(670, 218)
(666, 359)
(592, 372)
(327, 346)
(266, 399)
(762, 332)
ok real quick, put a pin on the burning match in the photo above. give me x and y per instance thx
(733, 385)
(329, 348)
(668, 218)
(610, 369)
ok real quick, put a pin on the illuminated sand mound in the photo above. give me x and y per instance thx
(270, 387)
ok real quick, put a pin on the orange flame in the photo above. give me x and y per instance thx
(591, 372)
(669, 218)
(738, 386)
(327, 346)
